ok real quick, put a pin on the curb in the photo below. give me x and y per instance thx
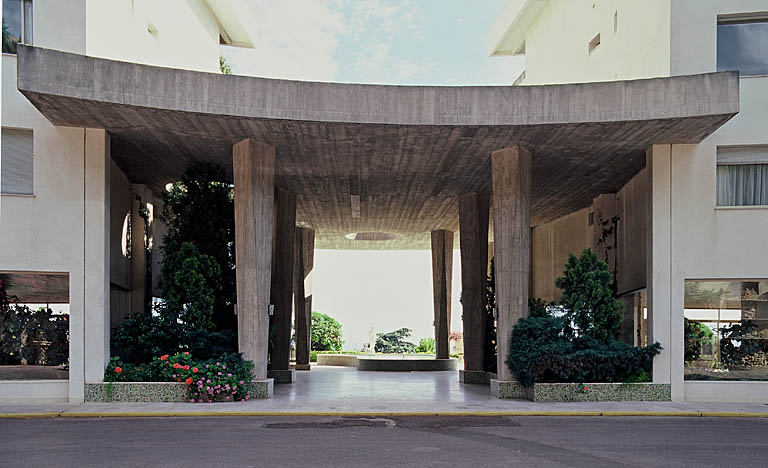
(171, 414)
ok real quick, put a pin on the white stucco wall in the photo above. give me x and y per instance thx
(556, 45)
(184, 33)
(47, 231)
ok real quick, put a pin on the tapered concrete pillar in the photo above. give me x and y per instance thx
(254, 177)
(302, 294)
(473, 232)
(511, 177)
(282, 283)
(442, 275)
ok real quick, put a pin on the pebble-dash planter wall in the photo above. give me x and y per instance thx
(142, 392)
(565, 392)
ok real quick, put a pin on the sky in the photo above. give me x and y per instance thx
(421, 42)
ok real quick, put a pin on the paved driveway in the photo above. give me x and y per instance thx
(387, 442)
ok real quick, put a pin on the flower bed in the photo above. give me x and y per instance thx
(151, 392)
(225, 379)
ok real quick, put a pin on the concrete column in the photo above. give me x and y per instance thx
(442, 275)
(138, 249)
(659, 273)
(254, 178)
(473, 236)
(96, 233)
(511, 174)
(302, 294)
(282, 279)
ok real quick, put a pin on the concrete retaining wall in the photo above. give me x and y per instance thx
(157, 391)
(574, 392)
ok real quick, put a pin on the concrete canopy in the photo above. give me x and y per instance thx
(372, 158)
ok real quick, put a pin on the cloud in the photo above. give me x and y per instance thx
(375, 64)
(295, 39)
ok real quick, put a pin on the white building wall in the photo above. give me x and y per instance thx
(45, 232)
(557, 44)
(666, 38)
(169, 33)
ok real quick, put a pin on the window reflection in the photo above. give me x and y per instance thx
(726, 330)
(743, 46)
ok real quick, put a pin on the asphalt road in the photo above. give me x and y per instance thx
(396, 442)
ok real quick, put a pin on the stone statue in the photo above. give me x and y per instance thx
(372, 340)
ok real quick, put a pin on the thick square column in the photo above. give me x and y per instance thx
(282, 283)
(659, 272)
(254, 177)
(511, 174)
(96, 274)
(442, 275)
(302, 294)
(473, 236)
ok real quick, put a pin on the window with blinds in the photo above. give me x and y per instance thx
(742, 176)
(16, 161)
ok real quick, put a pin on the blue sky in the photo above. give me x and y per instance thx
(437, 42)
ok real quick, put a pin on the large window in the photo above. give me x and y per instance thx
(742, 176)
(17, 24)
(17, 161)
(743, 45)
(726, 329)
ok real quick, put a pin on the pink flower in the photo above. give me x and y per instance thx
(192, 400)
(241, 382)
(219, 373)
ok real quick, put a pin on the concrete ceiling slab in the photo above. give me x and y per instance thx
(373, 158)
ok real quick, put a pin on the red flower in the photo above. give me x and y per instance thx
(186, 367)
(585, 388)
(186, 353)
(118, 369)
(163, 357)
(194, 369)
(189, 381)
(177, 366)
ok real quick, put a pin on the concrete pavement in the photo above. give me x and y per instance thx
(342, 390)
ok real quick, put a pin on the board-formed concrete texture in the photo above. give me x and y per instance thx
(381, 159)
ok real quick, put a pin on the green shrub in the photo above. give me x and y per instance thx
(695, 334)
(580, 346)
(543, 350)
(199, 210)
(394, 342)
(189, 281)
(313, 356)
(588, 297)
(140, 338)
(325, 333)
(426, 345)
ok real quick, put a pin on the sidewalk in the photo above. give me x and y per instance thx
(345, 391)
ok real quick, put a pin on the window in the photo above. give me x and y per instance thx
(726, 329)
(594, 43)
(742, 176)
(16, 165)
(743, 45)
(17, 24)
